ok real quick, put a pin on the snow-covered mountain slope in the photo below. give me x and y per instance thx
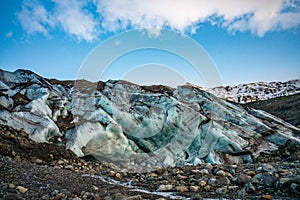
(138, 126)
(245, 93)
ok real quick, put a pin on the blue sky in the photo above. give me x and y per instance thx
(249, 41)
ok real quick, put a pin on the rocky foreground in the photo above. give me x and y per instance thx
(30, 170)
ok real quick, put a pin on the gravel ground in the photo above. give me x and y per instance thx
(30, 170)
(46, 182)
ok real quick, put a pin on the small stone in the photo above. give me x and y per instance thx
(22, 189)
(153, 175)
(284, 172)
(268, 179)
(163, 188)
(86, 193)
(11, 186)
(250, 188)
(251, 173)
(67, 193)
(267, 196)
(234, 187)
(202, 183)
(137, 197)
(69, 167)
(268, 168)
(112, 173)
(229, 175)
(255, 181)
(51, 156)
(222, 190)
(95, 187)
(118, 175)
(54, 192)
(242, 193)
(60, 195)
(18, 158)
(182, 177)
(283, 181)
(195, 171)
(243, 178)
(159, 171)
(212, 181)
(97, 197)
(209, 167)
(223, 181)
(295, 188)
(194, 188)
(119, 196)
(181, 188)
(257, 178)
(38, 161)
(233, 166)
(259, 169)
(207, 188)
(221, 173)
(179, 172)
(204, 171)
(60, 162)
(45, 197)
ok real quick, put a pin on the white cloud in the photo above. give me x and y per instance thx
(35, 19)
(70, 15)
(256, 16)
(73, 17)
(153, 32)
(76, 20)
(9, 34)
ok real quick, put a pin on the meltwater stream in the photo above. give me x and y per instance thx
(128, 185)
(134, 188)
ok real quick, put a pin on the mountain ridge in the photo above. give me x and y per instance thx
(251, 92)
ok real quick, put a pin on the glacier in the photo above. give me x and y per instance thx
(138, 127)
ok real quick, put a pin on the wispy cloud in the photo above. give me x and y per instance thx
(73, 17)
(9, 34)
(75, 20)
(256, 16)
(69, 15)
(34, 18)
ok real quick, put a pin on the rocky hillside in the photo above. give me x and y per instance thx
(286, 108)
(245, 93)
(138, 127)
